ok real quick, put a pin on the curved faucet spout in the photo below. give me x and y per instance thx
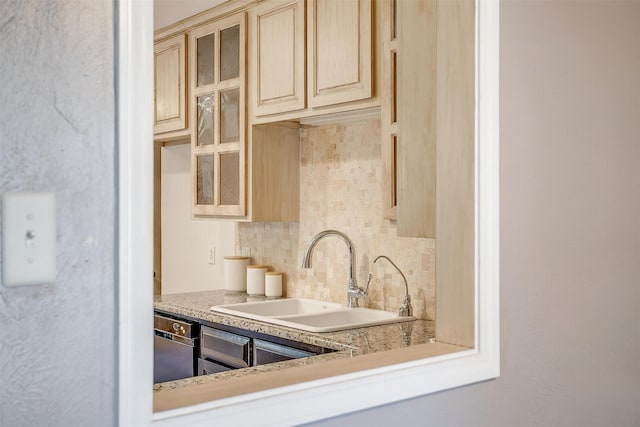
(306, 260)
(406, 309)
(353, 291)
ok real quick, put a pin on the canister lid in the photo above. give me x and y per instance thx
(257, 266)
(273, 273)
(236, 257)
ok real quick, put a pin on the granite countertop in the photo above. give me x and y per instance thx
(353, 342)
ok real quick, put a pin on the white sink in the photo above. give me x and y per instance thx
(277, 307)
(310, 315)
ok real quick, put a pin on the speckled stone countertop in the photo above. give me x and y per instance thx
(353, 342)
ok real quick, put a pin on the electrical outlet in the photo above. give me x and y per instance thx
(212, 254)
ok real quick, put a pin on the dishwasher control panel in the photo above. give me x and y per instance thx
(174, 326)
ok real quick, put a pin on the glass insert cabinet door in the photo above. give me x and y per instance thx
(218, 86)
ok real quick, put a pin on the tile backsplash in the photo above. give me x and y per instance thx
(341, 189)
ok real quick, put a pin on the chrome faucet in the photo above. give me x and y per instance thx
(353, 291)
(406, 309)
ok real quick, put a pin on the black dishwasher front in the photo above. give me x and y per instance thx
(223, 348)
(175, 348)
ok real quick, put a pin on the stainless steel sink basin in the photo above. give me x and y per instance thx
(310, 315)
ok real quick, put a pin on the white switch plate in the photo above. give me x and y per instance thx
(28, 239)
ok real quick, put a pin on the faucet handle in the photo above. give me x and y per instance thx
(356, 291)
(366, 288)
(406, 309)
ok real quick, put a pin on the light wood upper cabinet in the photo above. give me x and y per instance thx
(170, 85)
(274, 175)
(218, 147)
(238, 171)
(435, 129)
(278, 56)
(339, 51)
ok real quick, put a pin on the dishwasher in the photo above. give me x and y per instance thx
(175, 348)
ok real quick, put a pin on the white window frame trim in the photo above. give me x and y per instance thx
(314, 400)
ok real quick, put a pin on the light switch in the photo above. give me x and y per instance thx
(28, 239)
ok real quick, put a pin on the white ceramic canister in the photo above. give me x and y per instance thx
(273, 284)
(235, 273)
(255, 279)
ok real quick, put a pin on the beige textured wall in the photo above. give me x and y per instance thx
(58, 345)
(341, 181)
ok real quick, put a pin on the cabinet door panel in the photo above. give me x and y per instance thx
(205, 64)
(334, 27)
(166, 87)
(170, 85)
(230, 178)
(205, 189)
(339, 46)
(278, 52)
(229, 115)
(230, 53)
(206, 119)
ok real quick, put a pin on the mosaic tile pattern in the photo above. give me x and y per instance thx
(341, 189)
